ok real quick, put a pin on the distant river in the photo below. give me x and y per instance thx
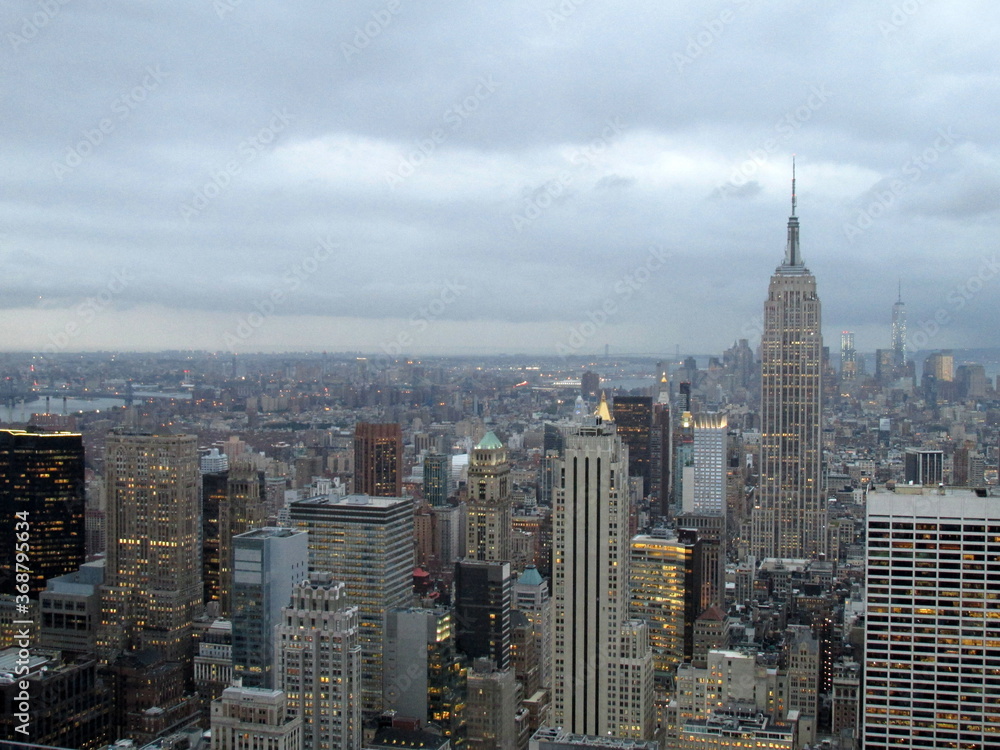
(75, 405)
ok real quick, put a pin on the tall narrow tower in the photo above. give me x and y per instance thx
(594, 677)
(489, 520)
(899, 331)
(789, 519)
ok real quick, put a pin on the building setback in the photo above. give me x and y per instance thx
(789, 517)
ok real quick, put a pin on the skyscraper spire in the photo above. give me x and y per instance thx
(793, 184)
(793, 258)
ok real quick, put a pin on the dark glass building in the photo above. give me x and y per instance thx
(483, 594)
(41, 485)
(378, 452)
(634, 417)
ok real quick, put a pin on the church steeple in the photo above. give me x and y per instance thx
(793, 256)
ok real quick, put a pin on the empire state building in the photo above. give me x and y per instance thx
(789, 515)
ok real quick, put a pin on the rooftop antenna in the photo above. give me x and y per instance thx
(793, 184)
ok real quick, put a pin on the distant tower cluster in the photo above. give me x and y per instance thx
(789, 519)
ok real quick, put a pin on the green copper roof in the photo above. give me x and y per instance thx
(490, 441)
(530, 576)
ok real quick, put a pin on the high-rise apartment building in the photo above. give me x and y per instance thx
(267, 564)
(590, 564)
(366, 543)
(152, 585)
(488, 520)
(378, 455)
(932, 631)
(789, 517)
(41, 498)
(318, 663)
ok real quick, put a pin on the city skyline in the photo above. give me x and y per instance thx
(407, 183)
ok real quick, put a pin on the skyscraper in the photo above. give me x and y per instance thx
(437, 479)
(378, 453)
(593, 684)
(789, 518)
(426, 676)
(366, 543)
(634, 419)
(267, 564)
(483, 594)
(531, 596)
(488, 523)
(660, 570)
(153, 573)
(41, 478)
(899, 333)
(932, 639)
(241, 510)
(214, 486)
(706, 494)
(848, 356)
(318, 663)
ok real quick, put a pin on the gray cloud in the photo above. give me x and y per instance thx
(605, 128)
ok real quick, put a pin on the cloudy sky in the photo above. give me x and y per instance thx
(546, 177)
